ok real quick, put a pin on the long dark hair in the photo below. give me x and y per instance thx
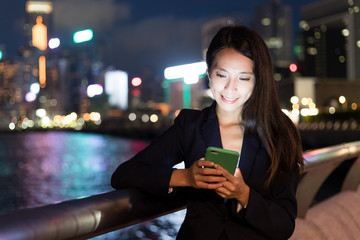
(261, 114)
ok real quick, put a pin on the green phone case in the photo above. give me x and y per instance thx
(228, 159)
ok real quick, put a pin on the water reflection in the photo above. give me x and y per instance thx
(38, 168)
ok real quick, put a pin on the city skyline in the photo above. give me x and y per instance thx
(172, 31)
(70, 80)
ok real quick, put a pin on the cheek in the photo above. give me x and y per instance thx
(215, 85)
(247, 90)
(250, 91)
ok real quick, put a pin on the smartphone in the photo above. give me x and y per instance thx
(227, 159)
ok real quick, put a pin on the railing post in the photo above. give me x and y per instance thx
(352, 179)
(309, 186)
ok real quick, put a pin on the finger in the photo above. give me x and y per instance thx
(210, 171)
(213, 179)
(206, 163)
(225, 173)
(212, 186)
(223, 192)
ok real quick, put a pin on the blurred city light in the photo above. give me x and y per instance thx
(116, 87)
(266, 21)
(44, 7)
(42, 71)
(293, 67)
(35, 88)
(132, 117)
(145, 118)
(190, 78)
(342, 99)
(304, 101)
(95, 116)
(354, 106)
(154, 118)
(94, 90)
(30, 97)
(332, 110)
(345, 32)
(39, 34)
(304, 25)
(86, 116)
(135, 92)
(83, 36)
(136, 81)
(54, 43)
(73, 116)
(277, 76)
(1, 54)
(294, 99)
(40, 112)
(12, 126)
(190, 72)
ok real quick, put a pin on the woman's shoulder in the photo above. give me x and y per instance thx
(196, 115)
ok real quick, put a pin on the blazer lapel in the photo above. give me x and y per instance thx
(250, 148)
(210, 129)
(211, 135)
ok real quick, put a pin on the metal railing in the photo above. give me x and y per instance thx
(319, 164)
(99, 214)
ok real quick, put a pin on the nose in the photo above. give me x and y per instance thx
(231, 84)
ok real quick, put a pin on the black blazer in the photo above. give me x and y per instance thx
(271, 211)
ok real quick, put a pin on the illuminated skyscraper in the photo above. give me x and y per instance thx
(35, 9)
(273, 22)
(331, 39)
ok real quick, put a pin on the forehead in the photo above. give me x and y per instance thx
(230, 59)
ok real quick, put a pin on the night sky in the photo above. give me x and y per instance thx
(138, 33)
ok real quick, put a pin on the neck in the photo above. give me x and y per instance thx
(228, 118)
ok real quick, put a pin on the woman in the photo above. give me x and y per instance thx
(258, 202)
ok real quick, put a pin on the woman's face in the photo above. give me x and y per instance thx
(231, 80)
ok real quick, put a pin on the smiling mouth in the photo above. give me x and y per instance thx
(229, 100)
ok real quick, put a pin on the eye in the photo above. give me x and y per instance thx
(245, 77)
(220, 75)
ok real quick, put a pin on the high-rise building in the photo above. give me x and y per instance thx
(38, 27)
(35, 9)
(273, 21)
(330, 34)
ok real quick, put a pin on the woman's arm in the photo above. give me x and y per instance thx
(273, 214)
(151, 168)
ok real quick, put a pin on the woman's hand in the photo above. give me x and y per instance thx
(202, 174)
(233, 187)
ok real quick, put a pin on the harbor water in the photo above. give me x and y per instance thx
(38, 168)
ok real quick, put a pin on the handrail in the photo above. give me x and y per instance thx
(99, 214)
(87, 217)
(319, 164)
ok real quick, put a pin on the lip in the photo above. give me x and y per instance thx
(229, 100)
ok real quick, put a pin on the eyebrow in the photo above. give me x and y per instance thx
(222, 69)
(248, 73)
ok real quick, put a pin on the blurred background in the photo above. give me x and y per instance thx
(85, 84)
